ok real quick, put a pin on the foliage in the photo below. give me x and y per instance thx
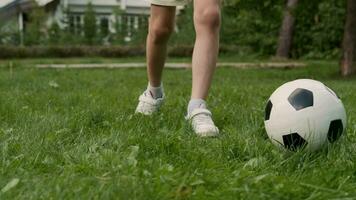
(318, 32)
(121, 28)
(8, 33)
(69, 51)
(9, 37)
(319, 28)
(66, 51)
(35, 31)
(252, 25)
(139, 34)
(185, 28)
(90, 27)
(54, 34)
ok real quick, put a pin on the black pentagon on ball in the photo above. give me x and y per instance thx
(336, 129)
(301, 98)
(268, 110)
(294, 141)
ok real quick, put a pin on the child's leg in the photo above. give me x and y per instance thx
(207, 26)
(161, 26)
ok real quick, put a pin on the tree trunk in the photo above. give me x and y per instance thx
(286, 32)
(348, 62)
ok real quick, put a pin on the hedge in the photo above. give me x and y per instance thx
(7, 52)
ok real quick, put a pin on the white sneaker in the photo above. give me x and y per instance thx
(148, 105)
(202, 123)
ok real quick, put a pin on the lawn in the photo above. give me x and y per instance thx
(72, 134)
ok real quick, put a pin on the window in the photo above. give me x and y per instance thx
(71, 24)
(75, 24)
(104, 26)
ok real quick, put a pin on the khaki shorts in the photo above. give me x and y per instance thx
(169, 2)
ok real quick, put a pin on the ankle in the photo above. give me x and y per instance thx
(195, 104)
(155, 92)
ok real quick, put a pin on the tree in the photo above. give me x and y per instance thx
(185, 27)
(54, 33)
(35, 30)
(90, 29)
(286, 32)
(139, 34)
(348, 61)
(250, 26)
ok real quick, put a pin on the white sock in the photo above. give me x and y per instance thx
(155, 92)
(196, 103)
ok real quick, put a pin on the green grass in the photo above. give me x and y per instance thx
(71, 134)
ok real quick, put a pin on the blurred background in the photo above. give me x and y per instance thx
(66, 28)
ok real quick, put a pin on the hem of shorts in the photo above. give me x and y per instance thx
(160, 3)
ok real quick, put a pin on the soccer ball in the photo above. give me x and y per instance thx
(304, 114)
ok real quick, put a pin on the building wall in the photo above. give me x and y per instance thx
(108, 13)
(95, 2)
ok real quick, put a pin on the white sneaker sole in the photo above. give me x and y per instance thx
(208, 134)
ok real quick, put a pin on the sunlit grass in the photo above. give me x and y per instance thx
(71, 134)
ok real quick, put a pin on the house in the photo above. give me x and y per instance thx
(14, 15)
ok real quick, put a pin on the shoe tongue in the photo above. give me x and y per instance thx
(151, 94)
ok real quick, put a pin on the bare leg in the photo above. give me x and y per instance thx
(160, 28)
(207, 25)
(161, 25)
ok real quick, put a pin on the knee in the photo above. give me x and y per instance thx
(208, 18)
(160, 33)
